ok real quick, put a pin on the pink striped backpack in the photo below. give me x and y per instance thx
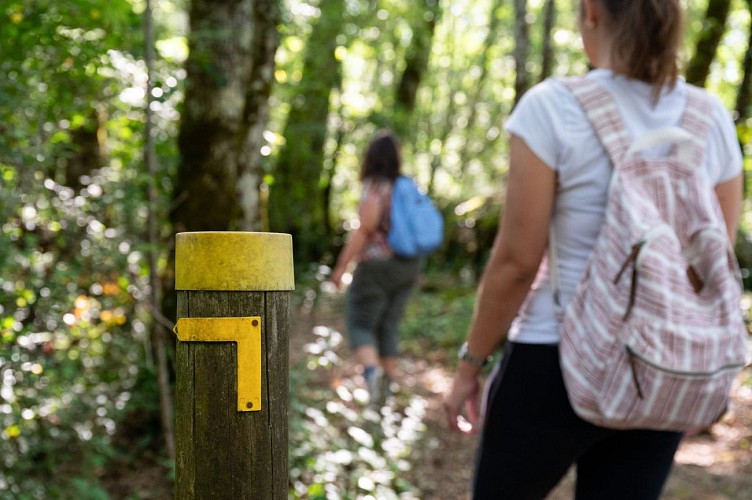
(654, 337)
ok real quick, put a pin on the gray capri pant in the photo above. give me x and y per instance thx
(376, 301)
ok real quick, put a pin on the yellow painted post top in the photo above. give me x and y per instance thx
(234, 260)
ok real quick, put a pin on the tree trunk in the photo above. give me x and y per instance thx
(230, 70)
(709, 38)
(266, 16)
(296, 198)
(466, 153)
(426, 15)
(229, 74)
(330, 171)
(549, 21)
(521, 49)
(85, 155)
(744, 95)
(159, 340)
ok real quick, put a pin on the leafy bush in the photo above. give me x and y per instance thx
(69, 323)
(73, 262)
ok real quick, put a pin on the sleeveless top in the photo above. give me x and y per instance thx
(377, 246)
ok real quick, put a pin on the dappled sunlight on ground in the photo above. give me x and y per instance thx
(404, 450)
(342, 446)
(727, 446)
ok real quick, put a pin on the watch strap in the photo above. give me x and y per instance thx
(465, 355)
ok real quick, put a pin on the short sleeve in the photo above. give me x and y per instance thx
(540, 120)
(725, 156)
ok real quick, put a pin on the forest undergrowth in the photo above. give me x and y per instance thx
(340, 448)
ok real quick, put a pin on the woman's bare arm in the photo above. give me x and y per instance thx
(369, 214)
(510, 271)
(729, 195)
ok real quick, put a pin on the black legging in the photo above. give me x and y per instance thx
(531, 436)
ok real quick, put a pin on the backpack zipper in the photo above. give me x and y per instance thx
(633, 258)
(634, 357)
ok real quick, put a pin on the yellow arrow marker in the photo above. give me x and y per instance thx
(246, 332)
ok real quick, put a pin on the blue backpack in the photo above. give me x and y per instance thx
(416, 226)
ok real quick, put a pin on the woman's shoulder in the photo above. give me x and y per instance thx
(720, 116)
(550, 90)
(549, 101)
(546, 118)
(725, 152)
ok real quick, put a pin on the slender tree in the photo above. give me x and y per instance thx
(549, 21)
(714, 26)
(523, 78)
(492, 33)
(296, 199)
(744, 96)
(229, 75)
(443, 119)
(426, 14)
(266, 17)
(159, 339)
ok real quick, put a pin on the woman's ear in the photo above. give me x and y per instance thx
(591, 13)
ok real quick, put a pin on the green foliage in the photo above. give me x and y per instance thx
(73, 261)
(457, 147)
(438, 315)
(77, 387)
(53, 55)
(68, 328)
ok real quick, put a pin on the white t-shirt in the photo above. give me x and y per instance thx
(553, 125)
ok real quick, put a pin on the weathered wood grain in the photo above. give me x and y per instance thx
(221, 452)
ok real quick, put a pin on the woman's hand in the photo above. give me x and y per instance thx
(465, 392)
(510, 271)
(336, 277)
(369, 214)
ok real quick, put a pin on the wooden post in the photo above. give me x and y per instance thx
(233, 293)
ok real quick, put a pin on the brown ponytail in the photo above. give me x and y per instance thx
(647, 39)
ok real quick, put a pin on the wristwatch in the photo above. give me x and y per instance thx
(465, 355)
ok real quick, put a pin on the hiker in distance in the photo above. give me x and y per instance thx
(562, 157)
(388, 260)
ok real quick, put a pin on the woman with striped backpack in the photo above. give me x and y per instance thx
(612, 281)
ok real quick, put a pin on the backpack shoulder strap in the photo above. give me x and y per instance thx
(603, 114)
(608, 123)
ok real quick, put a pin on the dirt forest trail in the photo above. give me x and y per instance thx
(716, 465)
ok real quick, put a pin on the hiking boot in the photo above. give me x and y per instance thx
(375, 385)
(387, 387)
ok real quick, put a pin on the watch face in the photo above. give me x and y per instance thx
(463, 350)
(465, 355)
